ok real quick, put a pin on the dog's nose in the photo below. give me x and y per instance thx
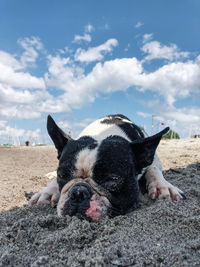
(80, 193)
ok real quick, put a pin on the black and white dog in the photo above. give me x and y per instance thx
(102, 171)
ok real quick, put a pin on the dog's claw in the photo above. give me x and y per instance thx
(182, 195)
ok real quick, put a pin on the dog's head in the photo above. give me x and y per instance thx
(99, 178)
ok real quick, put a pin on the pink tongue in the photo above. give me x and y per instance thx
(94, 210)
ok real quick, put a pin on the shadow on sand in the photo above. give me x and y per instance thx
(160, 233)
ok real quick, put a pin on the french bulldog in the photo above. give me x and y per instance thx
(102, 172)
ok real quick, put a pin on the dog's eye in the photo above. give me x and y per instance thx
(113, 183)
(111, 186)
(115, 178)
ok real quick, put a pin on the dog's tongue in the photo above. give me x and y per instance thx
(94, 210)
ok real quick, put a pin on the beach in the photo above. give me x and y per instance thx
(159, 233)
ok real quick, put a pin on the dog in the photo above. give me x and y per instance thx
(102, 172)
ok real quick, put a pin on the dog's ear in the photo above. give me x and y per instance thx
(59, 138)
(144, 149)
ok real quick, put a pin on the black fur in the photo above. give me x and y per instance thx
(144, 149)
(114, 171)
(59, 138)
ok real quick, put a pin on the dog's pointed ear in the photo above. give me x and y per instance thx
(58, 137)
(144, 149)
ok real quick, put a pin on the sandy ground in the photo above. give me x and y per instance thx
(160, 233)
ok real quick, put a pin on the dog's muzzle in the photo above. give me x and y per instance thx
(83, 201)
(79, 193)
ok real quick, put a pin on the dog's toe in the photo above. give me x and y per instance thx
(54, 199)
(34, 198)
(175, 193)
(164, 190)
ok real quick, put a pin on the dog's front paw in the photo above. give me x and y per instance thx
(49, 195)
(43, 198)
(163, 189)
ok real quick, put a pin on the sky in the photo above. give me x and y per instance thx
(81, 60)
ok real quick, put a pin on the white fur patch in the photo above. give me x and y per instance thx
(85, 162)
(100, 131)
(123, 119)
(51, 175)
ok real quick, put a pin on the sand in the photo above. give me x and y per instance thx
(159, 233)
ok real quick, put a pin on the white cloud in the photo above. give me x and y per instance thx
(31, 46)
(9, 131)
(2, 124)
(143, 114)
(79, 89)
(95, 53)
(8, 94)
(139, 24)
(19, 79)
(11, 73)
(84, 123)
(19, 111)
(147, 37)
(198, 59)
(86, 37)
(113, 75)
(21, 104)
(62, 73)
(183, 115)
(69, 86)
(127, 47)
(9, 60)
(17, 97)
(30, 135)
(64, 125)
(89, 28)
(174, 80)
(185, 121)
(104, 27)
(155, 50)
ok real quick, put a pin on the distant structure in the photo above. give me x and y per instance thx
(27, 143)
(196, 136)
(15, 140)
(194, 131)
(155, 125)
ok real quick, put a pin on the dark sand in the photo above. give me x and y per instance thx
(160, 233)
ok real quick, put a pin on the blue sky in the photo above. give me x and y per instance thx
(81, 60)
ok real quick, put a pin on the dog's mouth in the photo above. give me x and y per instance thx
(84, 200)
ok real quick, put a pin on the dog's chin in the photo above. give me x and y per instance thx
(95, 210)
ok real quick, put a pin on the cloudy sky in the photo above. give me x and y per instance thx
(81, 60)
